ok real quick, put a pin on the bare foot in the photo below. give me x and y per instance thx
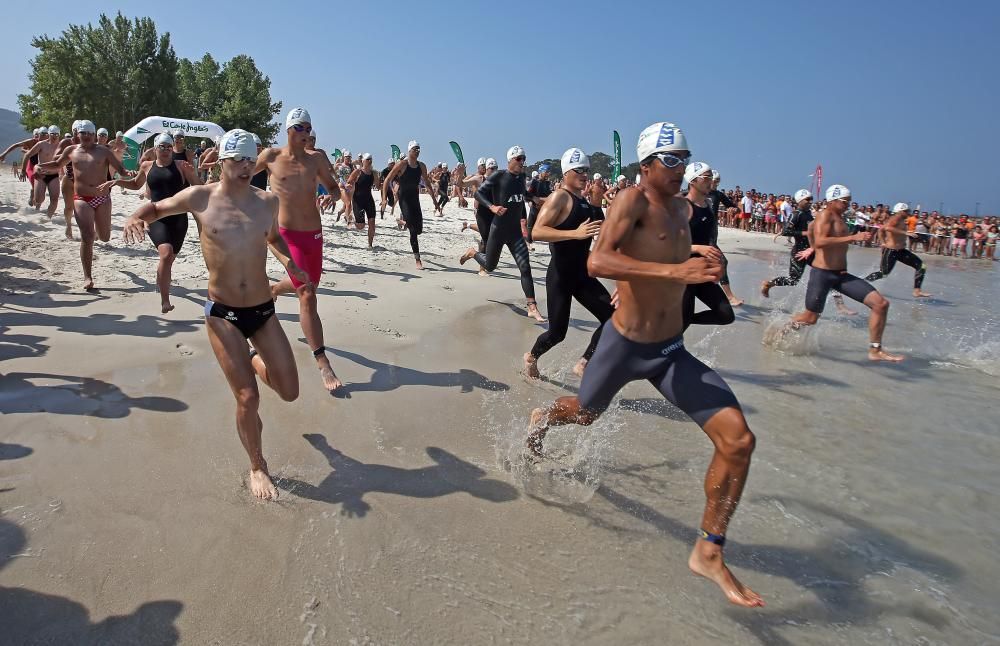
(467, 256)
(846, 311)
(765, 289)
(921, 294)
(878, 354)
(531, 366)
(165, 307)
(534, 313)
(400, 223)
(537, 430)
(708, 563)
(330, 380)
(482, 272)
(580, 366)
(261, 485)
(420, 265)
(735, 302)
(88, 283)
(465, 225)
(69, 233)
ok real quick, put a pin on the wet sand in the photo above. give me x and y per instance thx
(870, 515)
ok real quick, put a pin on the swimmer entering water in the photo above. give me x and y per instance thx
(894, 235)
(830, 240)
(645, 245)
(238, 224)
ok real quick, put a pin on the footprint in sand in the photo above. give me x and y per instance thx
(436, 308)
(184, 350)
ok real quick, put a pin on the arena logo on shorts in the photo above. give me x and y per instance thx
(231, 316)
(673, 346)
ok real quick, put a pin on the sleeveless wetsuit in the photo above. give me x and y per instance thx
(704, 229)
(538, 188)
(443, 189)
(164, 182)
(567, 278)
(390, 197)
(484, 218)
(409, 203)
(364, 203)
(506, 189)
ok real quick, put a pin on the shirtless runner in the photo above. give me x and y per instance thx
(830, 238)
(645, 245)
(894, 235)
(91, 205)
(294, 171)
(595, 191)
(38, 134)
(44, 151)
(238, 223)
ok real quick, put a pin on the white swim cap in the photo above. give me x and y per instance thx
(365, 156)
(444, 164)
(67, 136)
(574, 158)
(837, 192)
(695, 170)
(54, 130)
(163, 138)
(413, 144)
(38, 131)
(119, 133)
(621, 177)
(312, 134)
(76, 125)
(802, 194)
(256, 139)
(238, 144)
(481, 161)
(515, 151)
(87, 126)
(297, 116)
(177, 132)
(715, 175)
(662, 137)
(102, 131)
(900, 207)
(491, 163)
(597, 176)
(347, 153)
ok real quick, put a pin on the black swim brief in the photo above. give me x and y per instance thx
(685, 381)
(246, 319)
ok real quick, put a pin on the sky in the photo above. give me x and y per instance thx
(896, 100)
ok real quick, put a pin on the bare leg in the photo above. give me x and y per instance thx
(68, 208)
(53, 188)
(879, 306)
(580, 367)
(283, 286)
(85, 220)
(166, 252)
(313, 330)
(534, 313)
(37, 193)
(727, 473)
(735, 302)
(371, 232)
(565, 410)
(531, 366)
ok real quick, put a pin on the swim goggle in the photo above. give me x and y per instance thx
(583, 170)
(672, 161)
(298, 127)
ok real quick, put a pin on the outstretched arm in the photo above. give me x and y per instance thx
(26, 156)
(133, 184)
(326, 177)
(554, 211)
(61, 160)
(279, 248)
(137, 223)
(20, 144)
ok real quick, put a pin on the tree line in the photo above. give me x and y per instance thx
(121, 71)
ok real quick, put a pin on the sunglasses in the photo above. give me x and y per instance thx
(520, 158)
(240, 160)
(298, 127)
(165, 147)
(581, 171)
(672, 161)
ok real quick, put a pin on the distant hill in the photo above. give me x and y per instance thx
(11, 131)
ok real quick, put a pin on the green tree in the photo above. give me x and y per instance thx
(113, 74)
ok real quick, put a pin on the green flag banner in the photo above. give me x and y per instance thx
(395, 152)
(337, 153)
(455, 148)
(618, 157)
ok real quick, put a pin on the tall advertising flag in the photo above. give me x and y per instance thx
(455, 148)
(819, 181)
(617, 170)
(395, 152)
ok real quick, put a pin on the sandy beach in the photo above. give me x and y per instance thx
(870, 515)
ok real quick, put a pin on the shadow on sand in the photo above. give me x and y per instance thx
(390, 377)
(75, 396)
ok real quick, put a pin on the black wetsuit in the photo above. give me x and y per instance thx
(795, 229)
(364, 203)
(164, 182)
(409, 204)
(889, 259)
(717, 198)
(443, 189)
(704, 231)
(179, 156)
(390, 197)
(484, 218)
(567, 278)
(540, 188)
(506, 189)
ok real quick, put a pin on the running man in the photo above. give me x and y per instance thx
(444, 177)
(238, 224)
(596, 190)
(704, 225)
(894, 234)
(91, 205)
(830, 240)
(568, 222)
(294, 171)
(38, 134)
(66, 184)
(409, 172)
(538, 191)
(645, 246)
(797, 228)
(41, 152)
(363, 180)
(166, 176)
(388, 196)
(503, 193)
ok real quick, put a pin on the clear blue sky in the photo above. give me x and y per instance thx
(898, 100)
